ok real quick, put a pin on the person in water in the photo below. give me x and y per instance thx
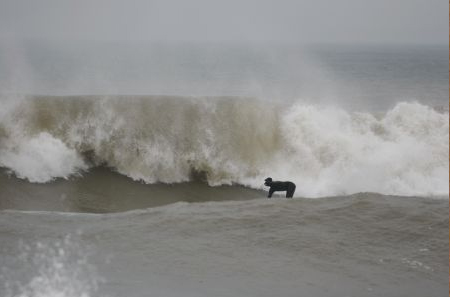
(276, 186)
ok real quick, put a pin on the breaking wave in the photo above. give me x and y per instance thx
(225, 140)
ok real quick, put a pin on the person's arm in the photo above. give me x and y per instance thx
(270, 192)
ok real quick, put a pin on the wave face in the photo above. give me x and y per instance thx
(225, 140)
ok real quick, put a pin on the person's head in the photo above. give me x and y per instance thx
(268, 181)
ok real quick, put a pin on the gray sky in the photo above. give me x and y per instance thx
(301, 21)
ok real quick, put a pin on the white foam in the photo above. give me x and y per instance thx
(40, 158)
(335, 152)
(325, 150)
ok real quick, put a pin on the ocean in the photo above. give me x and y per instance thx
(139, 170)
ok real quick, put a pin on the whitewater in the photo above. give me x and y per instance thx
(138, 171)
(229, 140)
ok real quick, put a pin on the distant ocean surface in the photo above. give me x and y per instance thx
(138, 170)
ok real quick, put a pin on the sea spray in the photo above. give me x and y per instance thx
(336, 152)
(40, 158)
(324, 150)
(58, 268)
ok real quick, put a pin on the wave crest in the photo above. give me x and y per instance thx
(40, 158)
(326, 151)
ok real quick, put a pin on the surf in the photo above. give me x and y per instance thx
(227, 141)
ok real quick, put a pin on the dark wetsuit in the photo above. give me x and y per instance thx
(276, 186)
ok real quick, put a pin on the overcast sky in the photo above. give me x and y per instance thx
(300, 21)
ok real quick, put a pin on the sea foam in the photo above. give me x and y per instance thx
(40, 158)
(225, 140)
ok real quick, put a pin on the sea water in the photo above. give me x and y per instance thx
(138, 170)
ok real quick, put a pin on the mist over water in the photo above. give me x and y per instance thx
(322, 116)
(352, 77)
(137, 170)
(135, 138)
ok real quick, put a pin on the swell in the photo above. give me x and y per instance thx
(228, 140)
